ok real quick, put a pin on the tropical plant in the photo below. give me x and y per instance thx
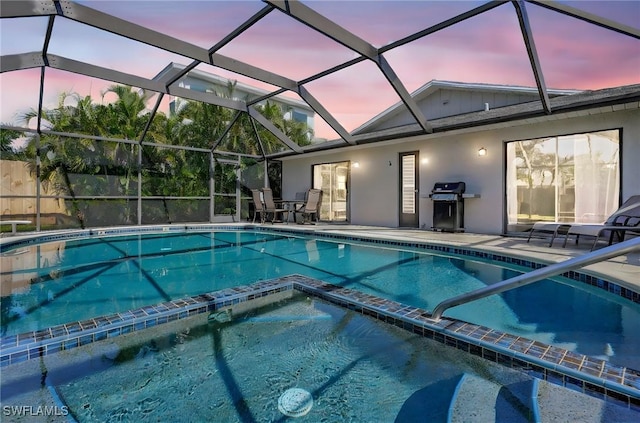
(84, 165)
(7, 139)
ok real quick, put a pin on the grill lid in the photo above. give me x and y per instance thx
(448, 187)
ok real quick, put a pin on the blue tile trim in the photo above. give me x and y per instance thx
(17, 348)
(556, 365)
(582, 373)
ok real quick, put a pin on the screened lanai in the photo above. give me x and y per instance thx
(141, 112)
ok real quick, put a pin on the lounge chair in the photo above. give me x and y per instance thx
(311, 207)
(630, 208)
(619, 229)
(258, 205)
(553, 228)
(270, 204)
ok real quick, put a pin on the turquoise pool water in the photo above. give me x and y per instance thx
(67, 281)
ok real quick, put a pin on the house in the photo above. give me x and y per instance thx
(201, 81)
(398, 165)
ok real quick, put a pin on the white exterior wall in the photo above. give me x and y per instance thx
(453, 157)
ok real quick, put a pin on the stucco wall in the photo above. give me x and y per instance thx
(453, 157)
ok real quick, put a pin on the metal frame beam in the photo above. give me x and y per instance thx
(75, 66)
(27, 8)
(208, 98)
(242, 28)
(114, 25)
(588, 17)
(442, 25)
(258, 139)
(328, 28)
(404, 95)
(316, 21)
(225, 132)
(157, 39)
(527, 35)
(13, 62)
(274, 129)
(324, 113)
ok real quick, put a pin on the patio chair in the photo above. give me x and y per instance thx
(619, 229)
(630, 208)
(270, 204)
(311, 207)
(258, 205)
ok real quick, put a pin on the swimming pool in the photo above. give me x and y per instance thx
(74, 280)
(242, 364)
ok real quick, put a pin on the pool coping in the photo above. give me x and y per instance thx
(591, 376)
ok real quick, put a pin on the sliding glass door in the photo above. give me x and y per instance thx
(571, 178)
(333, 180)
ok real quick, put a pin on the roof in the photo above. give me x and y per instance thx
(434, 86)
(585, 102)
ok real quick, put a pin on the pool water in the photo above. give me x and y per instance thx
(61, 282)
(236, 368)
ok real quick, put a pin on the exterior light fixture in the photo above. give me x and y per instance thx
(482, 152)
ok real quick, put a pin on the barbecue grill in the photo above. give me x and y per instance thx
(448, 206)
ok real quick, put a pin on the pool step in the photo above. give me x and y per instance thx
(481, 400)
(558, 403)
(431, 402)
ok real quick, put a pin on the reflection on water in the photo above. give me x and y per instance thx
(62, 282)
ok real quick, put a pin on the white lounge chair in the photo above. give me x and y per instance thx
(630, 208)
(553, 228)
(622, 225)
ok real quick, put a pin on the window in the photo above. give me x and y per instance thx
(332, 179)
(299, 116)
(572, 178)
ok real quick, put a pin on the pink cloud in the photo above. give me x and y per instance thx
(578, 55)
(354, 95)
(202, 23)
(287, 47)
(487, 48)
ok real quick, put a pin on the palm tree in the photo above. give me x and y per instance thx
(89, 167)
(85, 166)
(7, 138)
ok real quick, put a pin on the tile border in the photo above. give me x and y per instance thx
(579, 372)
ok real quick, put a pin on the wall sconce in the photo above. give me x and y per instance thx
(356, 164)
(424, 161)
(482, 152)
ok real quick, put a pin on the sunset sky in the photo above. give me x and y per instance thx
(485, 49)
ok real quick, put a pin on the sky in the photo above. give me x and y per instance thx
(484, 49)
